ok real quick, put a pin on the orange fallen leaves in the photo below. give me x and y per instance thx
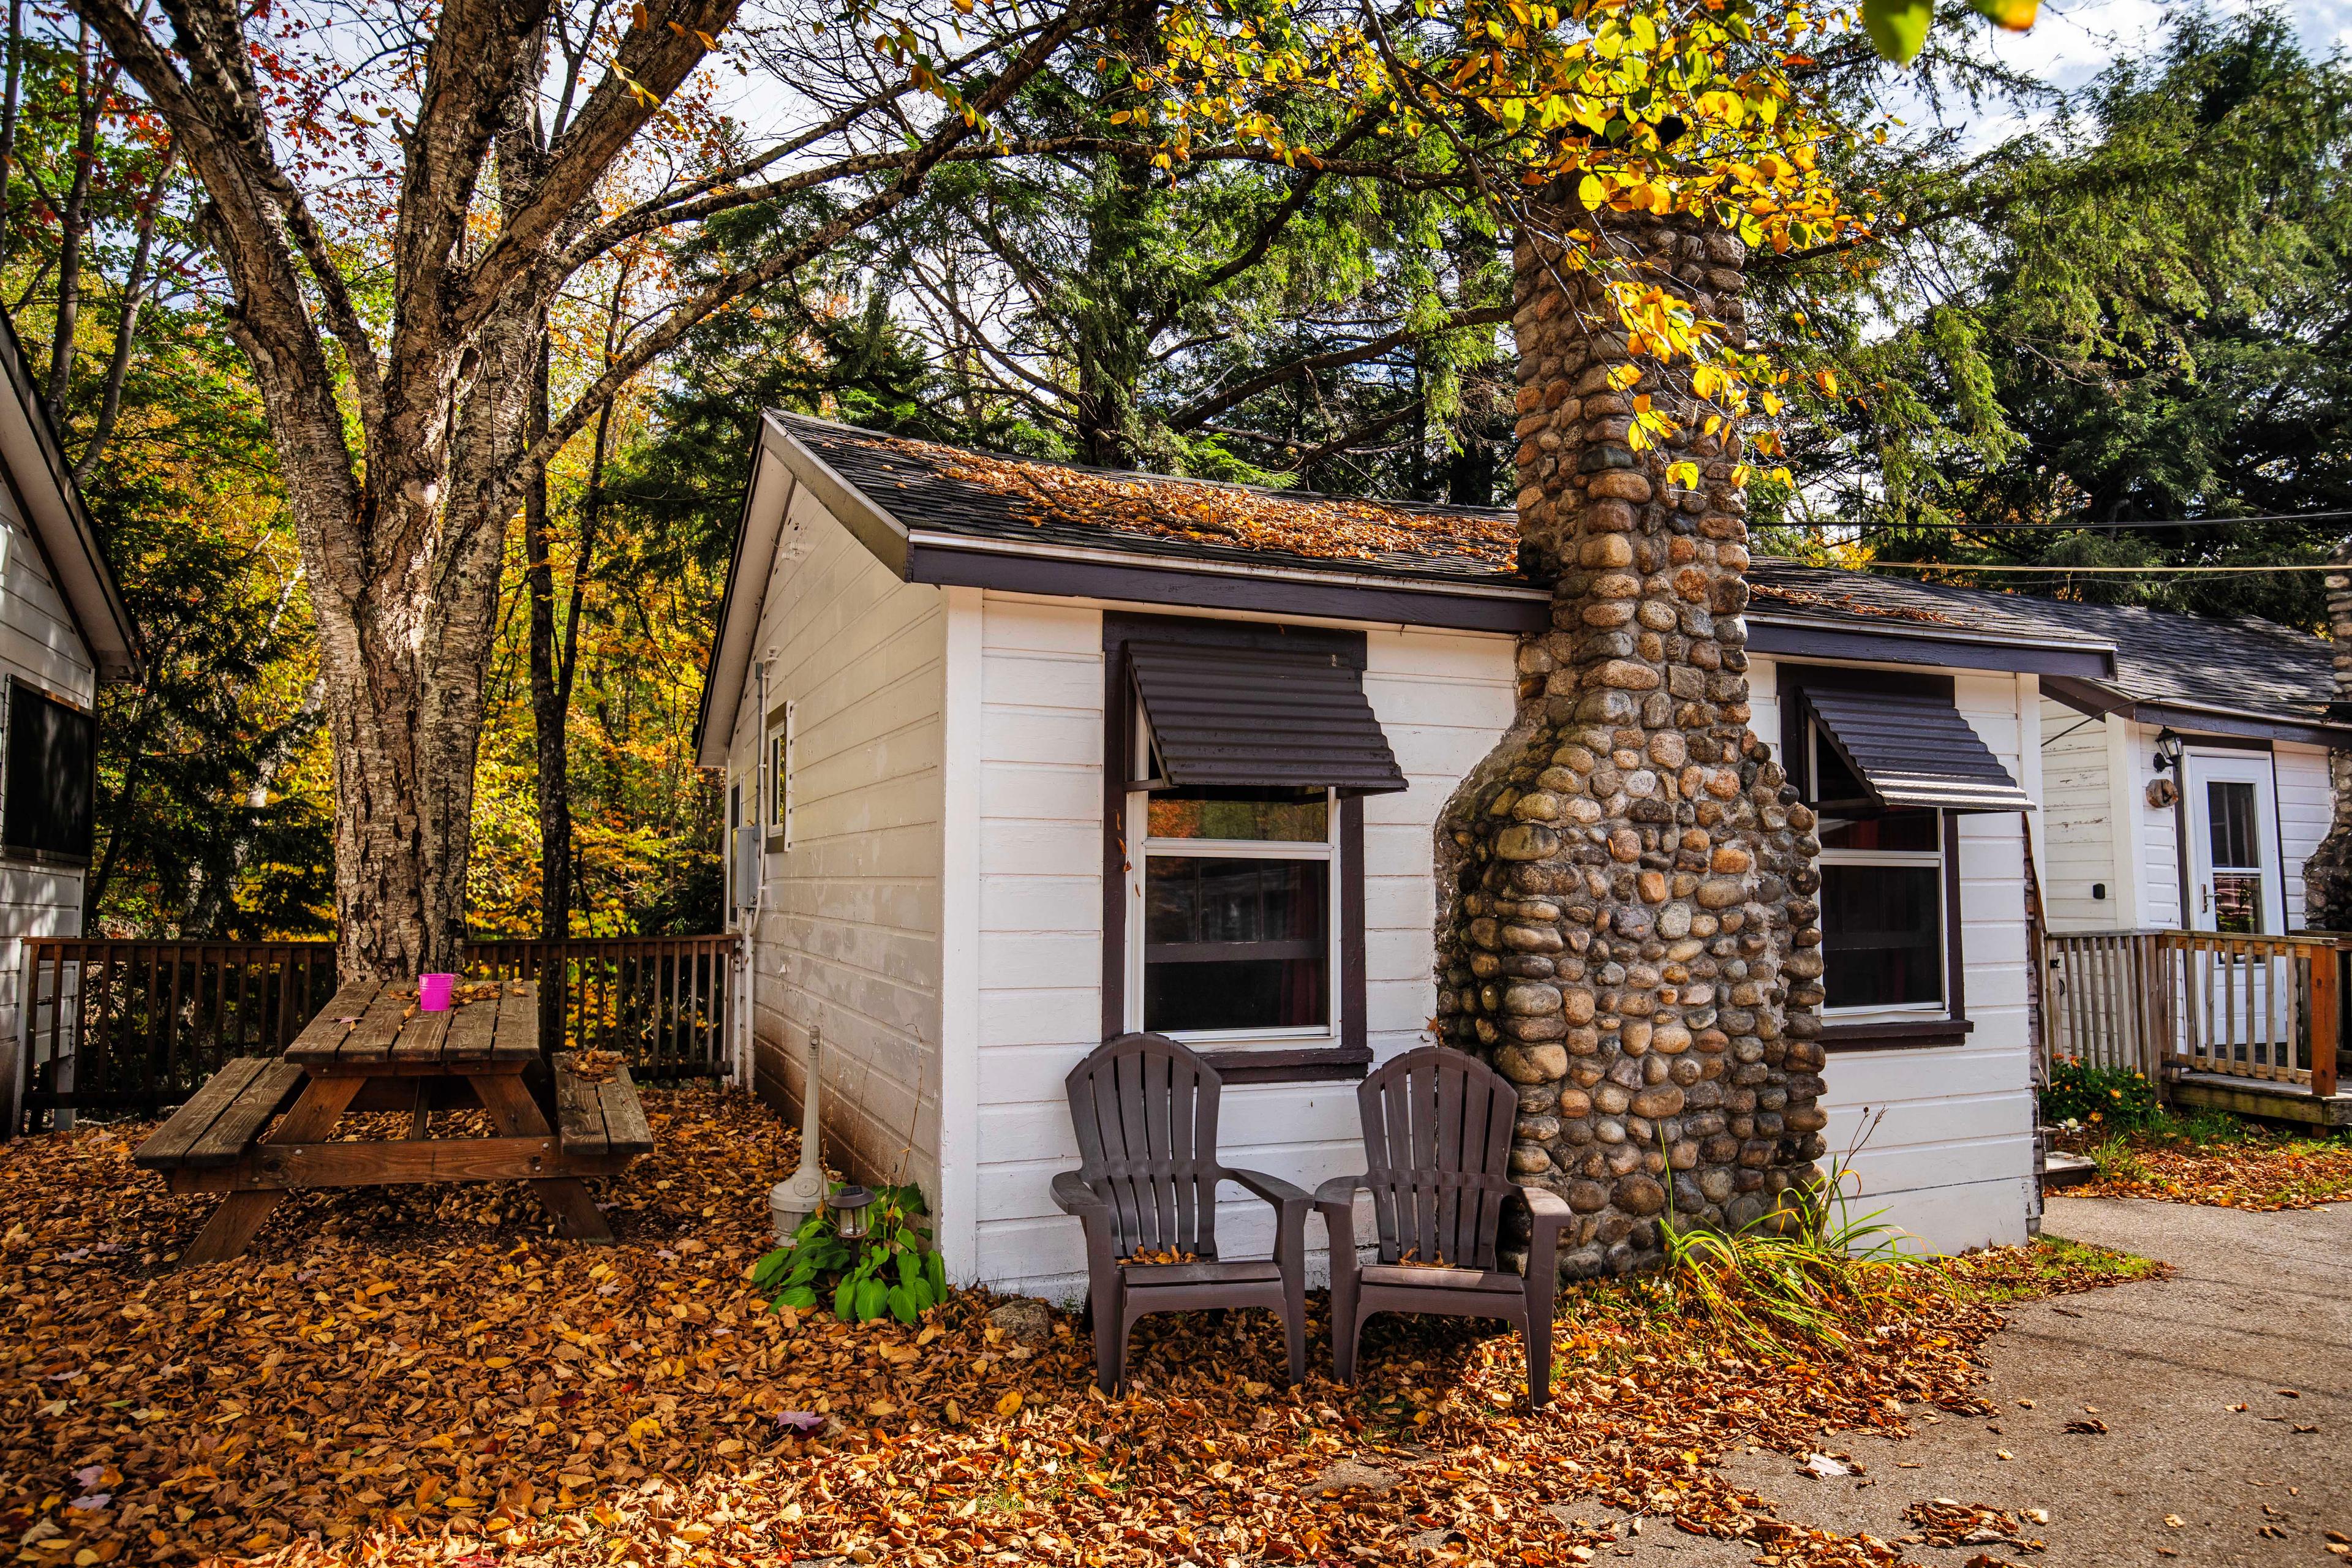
(2259, 1171)
(422, 1376)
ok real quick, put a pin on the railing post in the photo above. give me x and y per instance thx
(2324, 1019)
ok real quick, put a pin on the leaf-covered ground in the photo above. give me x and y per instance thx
(2220, 1161)
(424, 1376)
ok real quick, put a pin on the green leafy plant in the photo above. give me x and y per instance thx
(888, 1269)
(2082, 1095)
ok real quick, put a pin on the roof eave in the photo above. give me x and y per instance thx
(758, 531)
(62, 524)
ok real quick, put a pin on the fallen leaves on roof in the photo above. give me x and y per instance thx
(1199, 512)
(424, 1375)
(1848, 605)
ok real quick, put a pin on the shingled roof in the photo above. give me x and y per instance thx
(2160, 657)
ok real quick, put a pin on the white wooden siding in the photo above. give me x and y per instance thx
(847, 938)
(1443, 697)
(2077, 826)
(2305, 806)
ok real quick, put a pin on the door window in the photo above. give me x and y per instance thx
(2234, 838)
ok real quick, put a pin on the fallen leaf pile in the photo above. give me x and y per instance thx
(1324, 527)
(1942, 1521)
(423, 1374)
(596, 1066)
(2257, 1170)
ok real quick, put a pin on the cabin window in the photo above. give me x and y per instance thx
(1882, 898)
(1235, 932)
(1237, 759)
(51, 776)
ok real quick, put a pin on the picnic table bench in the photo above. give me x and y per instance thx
(370, 1049)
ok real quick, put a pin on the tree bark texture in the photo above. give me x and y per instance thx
(1629, 932)
(2327, 875)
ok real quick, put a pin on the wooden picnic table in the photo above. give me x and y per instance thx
(370, 1049)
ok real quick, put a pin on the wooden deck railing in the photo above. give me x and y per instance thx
(2103, 1000)
(659, 1001)
(135, 1025)
(2168, 1002)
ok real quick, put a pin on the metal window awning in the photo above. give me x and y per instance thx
(1238, 718)
(1913, 748)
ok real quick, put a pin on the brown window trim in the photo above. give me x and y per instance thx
(1352, 1057)
(1879, 1035)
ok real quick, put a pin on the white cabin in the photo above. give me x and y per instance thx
(916, 693)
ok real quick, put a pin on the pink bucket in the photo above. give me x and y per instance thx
(433, 992)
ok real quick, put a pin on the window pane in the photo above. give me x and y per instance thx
(2230, 822)
(49, 779)
(2238, 902)
(1236, 945)
(1882, 935)
(1235, 813)
(1920, 830)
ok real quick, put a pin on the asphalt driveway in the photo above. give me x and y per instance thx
(2225, 1393)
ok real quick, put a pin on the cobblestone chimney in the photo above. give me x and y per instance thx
(1632, 935)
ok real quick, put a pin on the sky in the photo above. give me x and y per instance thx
(2074, 39)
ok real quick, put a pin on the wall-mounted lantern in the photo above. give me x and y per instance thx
(2167, 750)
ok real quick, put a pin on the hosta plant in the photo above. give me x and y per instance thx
(890, 1269)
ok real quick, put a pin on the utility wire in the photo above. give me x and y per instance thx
(2059, 571)
(2087, 527)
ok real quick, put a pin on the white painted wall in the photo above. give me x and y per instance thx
(2079, 840)
(1443, 697)
(1940, 1140)
(2305, 806)
(39, 644)
(847, 938)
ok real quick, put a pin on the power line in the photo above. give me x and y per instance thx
(2087, 527)
(2056, 571)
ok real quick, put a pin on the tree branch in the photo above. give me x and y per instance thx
(653, 62)
(1209, 408)
(717, 295)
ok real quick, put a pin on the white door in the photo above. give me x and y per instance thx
(2233, 871)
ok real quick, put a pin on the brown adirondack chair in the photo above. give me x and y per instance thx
(1437, 1136)
(1145, 1108)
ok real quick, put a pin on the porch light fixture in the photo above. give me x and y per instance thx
(2167, 750)
(848, 1204)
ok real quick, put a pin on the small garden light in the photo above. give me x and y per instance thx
(848, 1204)
(2167, 750)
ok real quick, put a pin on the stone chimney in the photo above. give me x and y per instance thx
(1632, 934)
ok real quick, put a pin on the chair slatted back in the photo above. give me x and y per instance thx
(1437, 1138)
(1145, 1109)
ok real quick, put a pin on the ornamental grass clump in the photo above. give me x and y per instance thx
(1808, 1269)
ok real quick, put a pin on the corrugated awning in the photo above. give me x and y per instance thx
(1235, 717)
(1913, 748)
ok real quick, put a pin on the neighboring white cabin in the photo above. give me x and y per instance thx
(63, 629)
(926, 762)
(2237, 820)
